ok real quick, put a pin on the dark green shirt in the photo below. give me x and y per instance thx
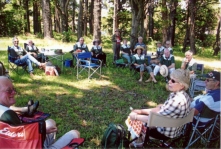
(8, 116)
(139, 59)
(167, 60)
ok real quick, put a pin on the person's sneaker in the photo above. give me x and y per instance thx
(140, 80)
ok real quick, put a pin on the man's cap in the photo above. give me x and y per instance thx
(213, 74)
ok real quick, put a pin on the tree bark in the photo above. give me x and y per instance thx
(73, 15)
(164, 13)
(216, 45)
(97, 20)
(26, 16)
(85, 16)
(172, 15)
(137, 8)
(91, 17)
(80, 19)
(151, 20)
(46, 15)
(57, 21)
(62, 7)
(192, 5)
(115, 18)
(36, 17)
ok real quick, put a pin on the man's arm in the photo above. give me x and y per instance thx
(10, 117)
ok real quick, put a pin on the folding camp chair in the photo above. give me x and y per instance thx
(28, 135)
(196, 82)
(84, 62)
(12, 56)
(205, 133)
(158, 120)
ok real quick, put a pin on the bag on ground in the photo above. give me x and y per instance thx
(115, 137)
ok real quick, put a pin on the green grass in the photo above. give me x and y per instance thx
(87, 105)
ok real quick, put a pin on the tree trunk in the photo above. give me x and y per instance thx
(57, 21)
(80, 20)
(151, 20)
(46, 15)
(115, 18)
(73, 15)
(137, 8)
(216, 45)
(186, 41)
(192, 5)
(36, 17)
(164, 13)
(62, 7)
(91, 17)
(85, 16)
(97, 19)
(26, 16)
(171, 31)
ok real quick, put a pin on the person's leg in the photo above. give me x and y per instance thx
(114, 52)
(118, 51)
(32, 59)
(152, 78)
(64, 140)
(30, 68)
(156, 70)
(141, 72)
(126, 57)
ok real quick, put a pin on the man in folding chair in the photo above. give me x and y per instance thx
(21, 57)
(207, 110)
(189, 62)
(176, 106)
(7, 94)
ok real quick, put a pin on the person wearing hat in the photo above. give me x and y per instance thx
(211, 99)
(80, 46)
(126, 51)
(97, 52)
(140, 43)
(168, 60)
(140, 62)
(189, 62)
(176, 106)
(116, 39)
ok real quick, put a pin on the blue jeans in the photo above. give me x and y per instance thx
(27, 59)
(128, 57)
(142, 68)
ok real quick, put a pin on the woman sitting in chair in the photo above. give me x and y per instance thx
(176, 106)
(140, 62)
(97, 52)
(22, 57)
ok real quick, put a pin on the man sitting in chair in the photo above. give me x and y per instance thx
(7, 94)
(22, 57)
(211, 99)
(189, 62)
(176, 106)
(80, 46)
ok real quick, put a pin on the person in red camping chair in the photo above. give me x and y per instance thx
(7, 99)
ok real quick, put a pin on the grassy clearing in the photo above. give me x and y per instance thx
(87, 105)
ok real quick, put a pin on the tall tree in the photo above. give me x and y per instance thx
(217, 44)
(62, 7)
(115, 17)
(172, 17)
(85, 20)
(164, 14)
(36, 17)
(73, 15)
(91, 17)
(97, 20)
(150, 8)
(57, 21)
(192, 6)
(137, 8)
(26, 16)
(46, 15)
(80, 19)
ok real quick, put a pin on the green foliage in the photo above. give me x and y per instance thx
(67, 36)
(40, 35)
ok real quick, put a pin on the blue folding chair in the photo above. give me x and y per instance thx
(84, 62)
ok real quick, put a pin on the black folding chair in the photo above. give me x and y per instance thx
(12, 56)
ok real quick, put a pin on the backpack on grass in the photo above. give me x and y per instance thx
(115, 137)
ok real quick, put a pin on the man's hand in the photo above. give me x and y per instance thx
(51, 129)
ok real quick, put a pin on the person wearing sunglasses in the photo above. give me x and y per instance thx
(21, 56)
(211, 99)
(176, 106)
(7, 99)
